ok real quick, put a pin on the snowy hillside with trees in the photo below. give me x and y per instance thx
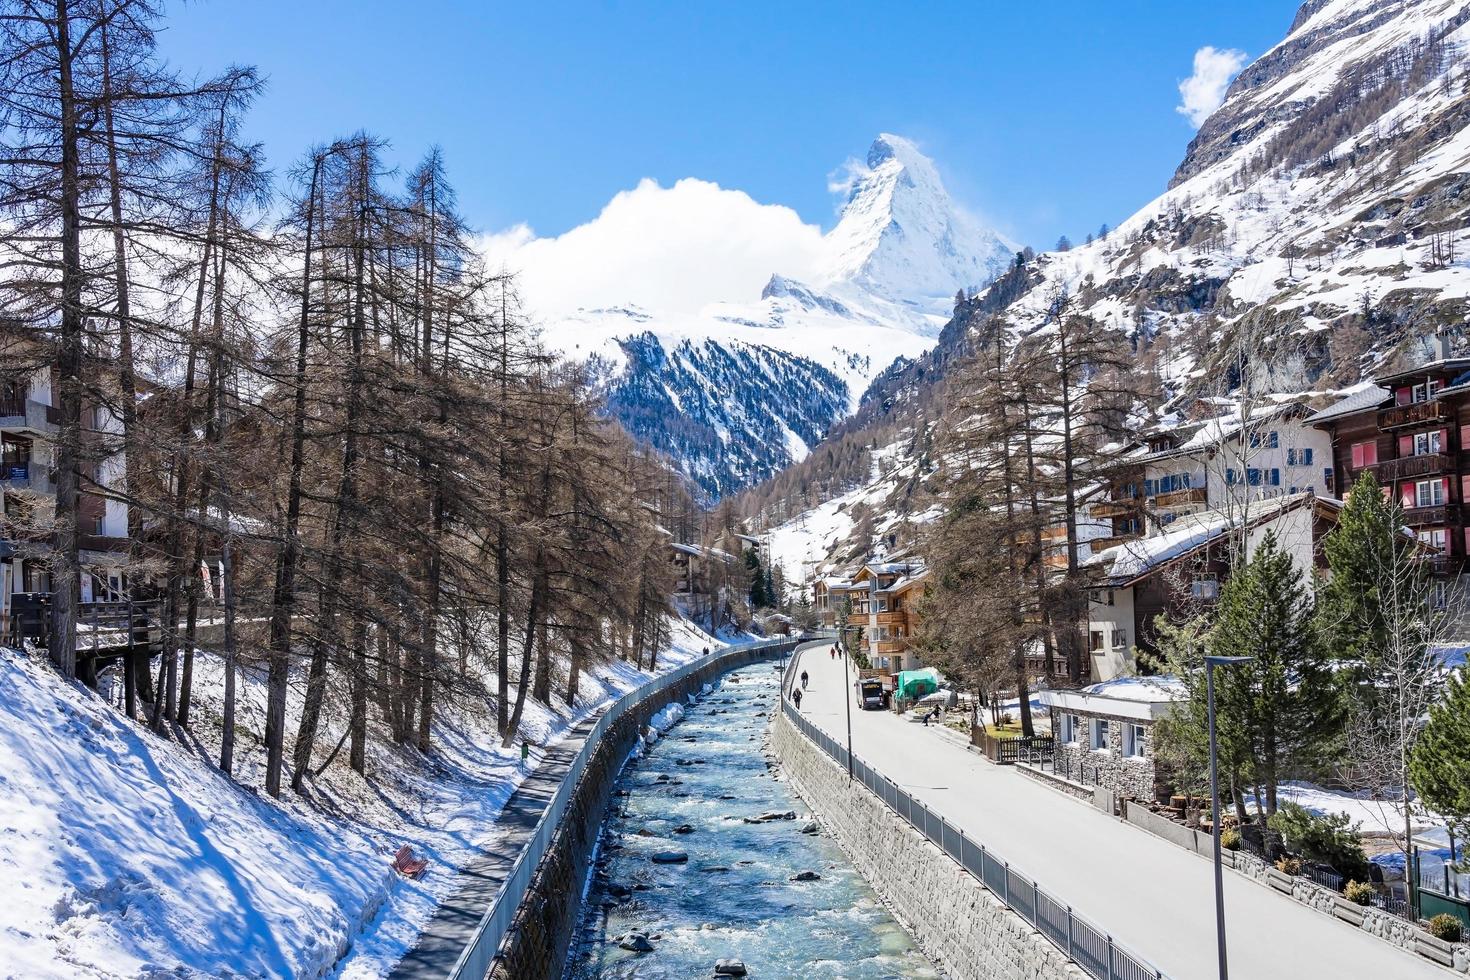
(1317, 228)
(127, 854)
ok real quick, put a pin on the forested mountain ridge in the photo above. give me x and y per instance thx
(1315, 230)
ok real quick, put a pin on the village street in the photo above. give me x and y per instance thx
(1150, 895)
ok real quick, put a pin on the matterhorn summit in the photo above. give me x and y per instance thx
(742, 385)
(902, 238)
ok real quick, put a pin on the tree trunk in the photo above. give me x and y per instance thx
(538, 592)
(65, 559)
(283, 596)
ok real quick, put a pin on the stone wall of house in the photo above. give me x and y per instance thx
(958, 924)
(537, 943)
(1128, 776)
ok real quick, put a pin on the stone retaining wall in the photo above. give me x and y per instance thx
(539, 940)
(958, 924)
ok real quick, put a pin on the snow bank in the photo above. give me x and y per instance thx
(127, 855)
(130, 855)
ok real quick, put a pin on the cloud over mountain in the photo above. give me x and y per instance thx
(673, 249)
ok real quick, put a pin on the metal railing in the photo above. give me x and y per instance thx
(1089, 947)
(479, 953)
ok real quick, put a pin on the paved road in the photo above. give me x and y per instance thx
(444, 938)
(1152, 896)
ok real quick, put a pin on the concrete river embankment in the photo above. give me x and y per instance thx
(699, 861)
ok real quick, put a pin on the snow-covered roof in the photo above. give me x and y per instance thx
(1455, 364)
(1139, 698)
(1366, 396)
(1219, 429)
(1132, 560)
(698, 552)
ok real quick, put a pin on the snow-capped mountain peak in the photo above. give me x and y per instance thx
(902, 237)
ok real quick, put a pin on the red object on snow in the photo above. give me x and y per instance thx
(407, 865)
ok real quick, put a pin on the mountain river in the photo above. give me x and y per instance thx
(740, 892)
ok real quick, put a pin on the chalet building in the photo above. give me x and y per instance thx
(28, 427)
(828, 597)
(885, 597)
(1220, 463)
(1411, 430)
(1185, 564)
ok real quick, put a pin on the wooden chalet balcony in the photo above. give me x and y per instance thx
(893, 618)
(30, 415)
(1123, 507)
(99, 542)
(1112, 540)
(1410, 466)
(857, 619)
(887, 647)
(1432, 516)
(1180, 498)
(1446, 565)
(1417, 414)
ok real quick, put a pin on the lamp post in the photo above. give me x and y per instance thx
(1210, 664)
(847, 700)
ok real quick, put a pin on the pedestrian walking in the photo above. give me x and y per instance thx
(803, 680)
(796, 697)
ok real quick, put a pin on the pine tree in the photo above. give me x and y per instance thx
(1379, 619)
(1440, 765)
(1350, 612)
(1277, 713)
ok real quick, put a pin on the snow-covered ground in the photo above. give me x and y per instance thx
(129, 855)
(1375, 818)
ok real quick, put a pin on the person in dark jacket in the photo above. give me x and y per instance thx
(796, 697)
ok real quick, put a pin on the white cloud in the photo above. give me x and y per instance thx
(1201, 93)
(669, 249)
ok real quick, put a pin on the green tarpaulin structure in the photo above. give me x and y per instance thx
(915, 684)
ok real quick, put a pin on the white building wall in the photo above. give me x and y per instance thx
(1116, 624)
(1293, 532)
(1286, 458)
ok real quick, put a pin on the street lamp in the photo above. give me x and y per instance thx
(1210, 664)
(847, 700)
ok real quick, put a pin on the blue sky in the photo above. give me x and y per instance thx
(1044, 118)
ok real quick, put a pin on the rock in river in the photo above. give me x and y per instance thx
(670, 857)
(637, 942)
(806, 876)
(729, 968)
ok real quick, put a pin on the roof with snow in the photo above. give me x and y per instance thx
(1126, 563)
(1212, 432)
(1136, 698)
(1366, 397)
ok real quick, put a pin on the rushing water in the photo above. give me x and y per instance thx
(735, 897)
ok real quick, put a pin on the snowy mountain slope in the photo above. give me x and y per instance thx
(879, 288)
(902, 238)
(1318, 226)
(1319, 219)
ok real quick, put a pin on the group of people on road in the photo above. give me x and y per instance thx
(835, 652)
